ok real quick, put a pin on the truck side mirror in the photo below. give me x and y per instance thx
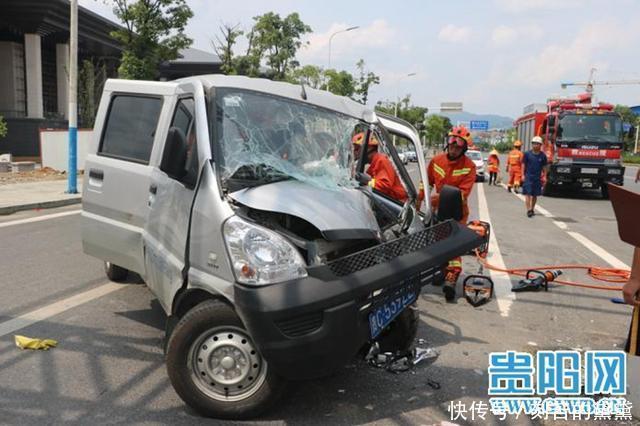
(174, 157)
(450, 204)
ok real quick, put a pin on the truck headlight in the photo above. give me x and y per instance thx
(564, 169)
(614, 171)
(260, 256)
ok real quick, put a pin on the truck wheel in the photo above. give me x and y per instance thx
(604, 190)
(215, 367)
(547, 190)
(401, 333)
(114, 272)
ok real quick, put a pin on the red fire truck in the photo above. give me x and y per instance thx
(583, 142)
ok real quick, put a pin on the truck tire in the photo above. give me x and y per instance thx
(215, 367)
(548, 190)
(604, 190)
(400, 334)
(114, 272)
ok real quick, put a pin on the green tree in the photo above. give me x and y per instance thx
(153, 33)
(365, 80)
(223, 46)
(435, 129)
(278, 40)
(91, 79)
(3, 127)
(340, 83)
(310, 75)
(628, 117)
(405, 110)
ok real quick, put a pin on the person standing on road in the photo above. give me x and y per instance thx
(493, 165)
(533, 164)
(514, 167)
(456, 169)
(380, 174)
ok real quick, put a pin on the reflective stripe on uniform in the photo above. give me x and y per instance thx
(461, 172)
(439, 170)
(455, 264)
(372, 183)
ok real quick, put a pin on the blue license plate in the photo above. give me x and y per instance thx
(382, 316)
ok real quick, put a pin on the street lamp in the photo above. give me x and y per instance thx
(331, 37)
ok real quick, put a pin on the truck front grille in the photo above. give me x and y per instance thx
(385, 252)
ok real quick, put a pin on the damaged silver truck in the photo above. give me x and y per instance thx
(235, 200)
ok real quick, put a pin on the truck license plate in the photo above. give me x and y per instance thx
(589, 171)
(382, 316)
(587, 185)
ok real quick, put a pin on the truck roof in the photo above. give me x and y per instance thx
(316, 97)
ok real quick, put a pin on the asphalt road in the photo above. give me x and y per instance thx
(108, 367)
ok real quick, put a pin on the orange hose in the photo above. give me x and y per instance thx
(611, 275)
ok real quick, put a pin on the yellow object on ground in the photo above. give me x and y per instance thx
(24, 342)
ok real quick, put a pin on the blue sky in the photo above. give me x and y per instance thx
(496, 56)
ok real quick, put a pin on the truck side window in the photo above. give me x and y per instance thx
(130, 128)
(184, 118)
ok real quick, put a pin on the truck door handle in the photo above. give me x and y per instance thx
(153, 189)
(96, 174)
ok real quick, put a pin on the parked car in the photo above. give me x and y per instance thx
(235, 200)
(411, 156)
(403, 157)
(476, 157)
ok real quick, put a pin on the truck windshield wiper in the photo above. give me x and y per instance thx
(252, 175)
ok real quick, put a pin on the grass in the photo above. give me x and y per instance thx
(631, 159)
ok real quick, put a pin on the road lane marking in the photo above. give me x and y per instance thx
(501, 280)
(561, 225)
(39, 218)
(599, 251)
(56, 308)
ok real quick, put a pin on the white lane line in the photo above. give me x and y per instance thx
(48, 311)
(501, 280)
(599, 251)
(39, 218)
(561, 225)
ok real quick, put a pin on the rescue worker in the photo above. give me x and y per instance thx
(514, 167)
(380, 174)
(493, 165)
(453, 168)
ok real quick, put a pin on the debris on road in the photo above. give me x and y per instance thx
(24, 342)
(399, 361)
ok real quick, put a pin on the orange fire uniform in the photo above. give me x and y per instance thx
(460, 173)
(384, 177)
(514, 167)
(493, 164)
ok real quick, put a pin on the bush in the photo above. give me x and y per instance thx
(3, 127)
(628, 157)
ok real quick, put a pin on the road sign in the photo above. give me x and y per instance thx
(479, 125)
(451, 106)
(626, 127)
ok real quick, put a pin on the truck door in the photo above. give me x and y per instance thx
(118, 171)
(170, 199)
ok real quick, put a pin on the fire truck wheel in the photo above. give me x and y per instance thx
(604, 190)
(548, 190)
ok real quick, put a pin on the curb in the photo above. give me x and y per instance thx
(40, 205)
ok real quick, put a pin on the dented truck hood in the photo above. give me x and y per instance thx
(341, 213)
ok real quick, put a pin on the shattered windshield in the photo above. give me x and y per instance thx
(263, 139)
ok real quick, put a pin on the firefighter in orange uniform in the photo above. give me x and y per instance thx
(380, 174)
(456, 169)
(514, 166)
(493, 165)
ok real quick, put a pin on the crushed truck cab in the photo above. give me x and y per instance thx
(235, 200)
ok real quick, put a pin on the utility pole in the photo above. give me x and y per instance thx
(72, 179)
(331, 38)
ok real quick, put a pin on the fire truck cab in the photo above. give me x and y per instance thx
(582, 141)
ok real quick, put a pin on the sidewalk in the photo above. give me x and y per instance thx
(37, 195)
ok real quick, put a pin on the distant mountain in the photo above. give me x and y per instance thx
(495, 121)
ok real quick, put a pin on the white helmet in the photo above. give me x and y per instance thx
(536, 139)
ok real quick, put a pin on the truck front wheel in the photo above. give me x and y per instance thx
(548, 189)
(604, 190)
(114, 272)
(215, 367)
(401, 333)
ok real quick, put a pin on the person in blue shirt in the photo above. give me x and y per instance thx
(533, 163)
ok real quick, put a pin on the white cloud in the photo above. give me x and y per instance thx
(504, 35)
(454, 34)
(523, 6)
(376, 35)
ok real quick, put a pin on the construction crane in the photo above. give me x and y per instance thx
(591, 82)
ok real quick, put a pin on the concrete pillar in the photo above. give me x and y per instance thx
(62, 78)
(33, 71)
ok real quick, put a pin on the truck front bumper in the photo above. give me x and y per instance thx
(584, 174)
(309, 327)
